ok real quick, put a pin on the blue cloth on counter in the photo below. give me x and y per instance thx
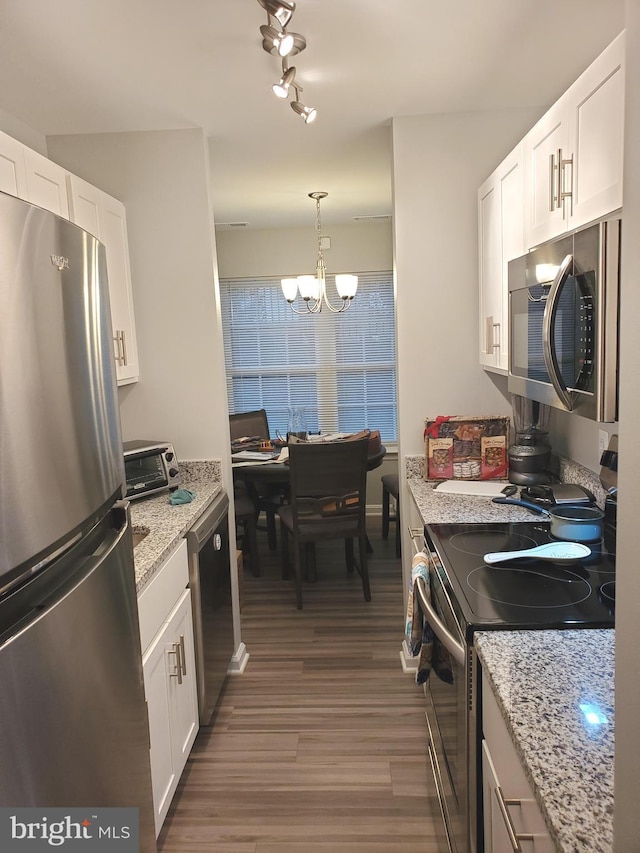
(420, 635)
(181, 496)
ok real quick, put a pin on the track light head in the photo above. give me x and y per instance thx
(280, 43)
(274, 45)
(281, 10)
(308, 114)
(281, 88)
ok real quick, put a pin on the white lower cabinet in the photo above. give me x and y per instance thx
(511, 816)
(168, 662)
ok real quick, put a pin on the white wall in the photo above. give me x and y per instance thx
(22, 132)
(282, 252)
(439, 162)
(627, 760)
(162, 178)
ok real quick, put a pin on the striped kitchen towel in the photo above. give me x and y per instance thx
(420, 636)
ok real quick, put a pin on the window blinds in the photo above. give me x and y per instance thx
(339, 367)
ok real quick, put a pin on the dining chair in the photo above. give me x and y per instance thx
(328, 484)
(268, 497)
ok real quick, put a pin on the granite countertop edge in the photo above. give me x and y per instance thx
(540, 679)
(164, 523)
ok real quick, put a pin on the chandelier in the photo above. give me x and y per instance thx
(278, 42)
(313, 289)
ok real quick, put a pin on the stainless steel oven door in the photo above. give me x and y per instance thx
(451, 723)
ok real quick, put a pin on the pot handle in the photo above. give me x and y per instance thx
(520, 502)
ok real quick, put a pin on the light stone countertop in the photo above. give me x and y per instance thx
(167, 523)
(540, 679)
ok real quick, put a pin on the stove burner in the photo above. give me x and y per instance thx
(608, 592)
(519, 586)
(480, 542)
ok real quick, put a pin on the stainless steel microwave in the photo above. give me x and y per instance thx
(150, 466)
(563, 322)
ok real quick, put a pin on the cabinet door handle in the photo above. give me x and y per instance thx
(564, 194)
(552, 183)
(490, 336)
(514, 837)
(558, 198)
(183, 656)
(178, 670)
(121, 348)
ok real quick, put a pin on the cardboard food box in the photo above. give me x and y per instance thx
(462, 447)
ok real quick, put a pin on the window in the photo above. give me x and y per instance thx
(339, 368)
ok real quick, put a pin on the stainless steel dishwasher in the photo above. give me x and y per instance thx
(210, 583)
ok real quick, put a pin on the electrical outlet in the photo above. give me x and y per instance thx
(603, 441)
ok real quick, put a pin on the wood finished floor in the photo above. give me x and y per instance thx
(319, 747)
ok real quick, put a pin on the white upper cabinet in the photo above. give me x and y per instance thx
(105, 218)
(46, 183)
(13, 174)
(573, 155)
(500, 239)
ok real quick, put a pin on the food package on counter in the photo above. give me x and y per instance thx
(462, 447)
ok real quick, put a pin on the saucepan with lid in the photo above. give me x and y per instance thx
(569, 522)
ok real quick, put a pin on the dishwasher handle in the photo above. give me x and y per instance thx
(451, 644)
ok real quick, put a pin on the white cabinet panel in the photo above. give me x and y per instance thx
(500, 238)
(543, 212)
(574, 154)
(596, 129)
(46, 183)
(169, 667)
(13, 174)
(509, 804)
(105, 217)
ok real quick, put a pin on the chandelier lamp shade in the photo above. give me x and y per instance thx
(277, 41)
(312, 289)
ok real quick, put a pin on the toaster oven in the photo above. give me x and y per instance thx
(150, 466)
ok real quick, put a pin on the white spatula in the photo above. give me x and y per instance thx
(556, 551)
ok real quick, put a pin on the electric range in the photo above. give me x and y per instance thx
(522, 593)
(464, 596)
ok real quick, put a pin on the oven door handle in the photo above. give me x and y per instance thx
(451, 644)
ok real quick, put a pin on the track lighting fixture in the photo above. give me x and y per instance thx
(278, 42)
(281, 88)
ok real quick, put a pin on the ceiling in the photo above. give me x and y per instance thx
(95, 66)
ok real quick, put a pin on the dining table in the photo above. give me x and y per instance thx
(268, 473)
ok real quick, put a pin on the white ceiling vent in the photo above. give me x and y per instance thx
(374, 217)
(230, 226)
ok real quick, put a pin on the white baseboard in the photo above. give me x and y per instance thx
(239, 661)
(409, 663)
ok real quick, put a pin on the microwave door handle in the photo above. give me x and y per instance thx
(547, 332)
(455, 648)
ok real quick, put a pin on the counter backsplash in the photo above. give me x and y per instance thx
(568, 472)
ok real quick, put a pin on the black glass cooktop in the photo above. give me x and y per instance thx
(522, 593)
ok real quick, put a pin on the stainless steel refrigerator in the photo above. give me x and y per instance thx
(73, 722)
